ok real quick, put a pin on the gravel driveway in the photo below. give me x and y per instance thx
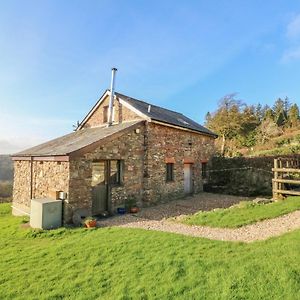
(155, 218)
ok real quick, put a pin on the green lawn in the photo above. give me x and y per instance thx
(136, 264)
(243, 214)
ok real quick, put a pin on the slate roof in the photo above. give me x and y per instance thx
(164, 115)
(74, 141)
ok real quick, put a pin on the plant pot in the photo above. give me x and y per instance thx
(91, 224)
(121, 210)
(134, 210)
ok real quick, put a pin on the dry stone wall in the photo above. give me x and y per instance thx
(244, 176)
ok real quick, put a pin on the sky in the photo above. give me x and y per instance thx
(56, 58)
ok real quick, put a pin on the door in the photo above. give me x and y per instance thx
(188, 184)
(99, 187)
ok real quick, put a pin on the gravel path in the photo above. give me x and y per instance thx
(155, 218)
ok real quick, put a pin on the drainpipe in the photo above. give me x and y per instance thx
(31, 177)
(112, 94)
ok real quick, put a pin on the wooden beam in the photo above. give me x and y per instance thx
(42, 158)
(286, 181)
(286, 170)
(274, 183)
(287, 192)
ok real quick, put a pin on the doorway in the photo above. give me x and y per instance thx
(188, 183)
(100, 187)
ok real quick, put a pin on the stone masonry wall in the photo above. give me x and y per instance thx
(47, 176)
(169, 143)
(22, 177)
(130, 148)
(121, 114)
(244, 176)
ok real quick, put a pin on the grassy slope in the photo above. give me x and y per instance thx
(243, 214)
(135, 264)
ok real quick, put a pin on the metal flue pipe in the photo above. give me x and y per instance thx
(112, 95)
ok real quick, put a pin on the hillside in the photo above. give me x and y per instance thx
(6, 178)
(6, 168)
(255, 130)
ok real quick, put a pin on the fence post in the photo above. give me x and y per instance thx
(274, 183)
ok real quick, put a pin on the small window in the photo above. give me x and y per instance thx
(116, 172)
(105, 114)
(204, 169)
(170, 172)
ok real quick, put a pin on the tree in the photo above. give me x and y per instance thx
(259, 113)
(268, 113)
(227, 120)
(293, 115)
(280, 113)
(207, 118)
(268, 129)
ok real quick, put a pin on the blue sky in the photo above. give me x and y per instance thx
(56, 56)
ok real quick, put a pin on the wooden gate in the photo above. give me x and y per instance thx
(286, 177)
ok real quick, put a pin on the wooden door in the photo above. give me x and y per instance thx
(188, 183)
(99, 187)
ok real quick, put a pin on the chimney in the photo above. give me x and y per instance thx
(112, 94)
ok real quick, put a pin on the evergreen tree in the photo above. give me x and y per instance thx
(207, 118)
(280, 114)
(293, 115)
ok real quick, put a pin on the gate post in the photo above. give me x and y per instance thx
(275, 183)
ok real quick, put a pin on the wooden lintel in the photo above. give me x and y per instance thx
(21, 157)
(42, 158)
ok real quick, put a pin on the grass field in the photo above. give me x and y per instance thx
(243, 214)
(136, 264)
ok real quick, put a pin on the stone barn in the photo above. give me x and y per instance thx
(124, 149)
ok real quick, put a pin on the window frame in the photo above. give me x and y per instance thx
(105, 114)
(204, 169)
(120, 173)
(169, 172)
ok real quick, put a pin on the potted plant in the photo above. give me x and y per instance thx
(121, 210)
(90, 222)
(131, 205)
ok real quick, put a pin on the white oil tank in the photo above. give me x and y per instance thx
(46, 213)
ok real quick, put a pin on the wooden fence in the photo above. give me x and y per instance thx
(286, 177)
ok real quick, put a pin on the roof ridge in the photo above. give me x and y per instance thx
(174, 111)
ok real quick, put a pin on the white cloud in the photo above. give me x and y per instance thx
(291, 55)
(293, 28)
(292, 52)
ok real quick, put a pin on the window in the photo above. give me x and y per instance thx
(169, 172)
(204, 169)
(116, 172)
(105, 114)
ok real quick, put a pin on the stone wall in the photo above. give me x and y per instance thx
(244, 176)
(128, 147)
(47, 176)
(167, 143)
(121, 114)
